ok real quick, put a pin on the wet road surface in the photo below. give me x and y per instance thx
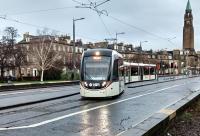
(73, 116)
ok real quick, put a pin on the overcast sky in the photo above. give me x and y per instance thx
(160, 19)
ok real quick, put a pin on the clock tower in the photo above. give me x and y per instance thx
(188, 29)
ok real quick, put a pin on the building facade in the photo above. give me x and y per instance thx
(61, 45)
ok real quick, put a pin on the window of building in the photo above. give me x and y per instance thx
(22, 71)
(27, 58)
(35, 72)
(28, 72)
(54, 47)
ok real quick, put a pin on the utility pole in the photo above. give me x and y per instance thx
(118, 34)
(141, 55)
(74, 44)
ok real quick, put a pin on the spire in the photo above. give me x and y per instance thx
(188, 8)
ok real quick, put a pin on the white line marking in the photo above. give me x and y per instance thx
(83, 111)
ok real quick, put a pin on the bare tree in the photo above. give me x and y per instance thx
(10, 35)
(44, 56)
(6, 49)
(3, 59)
(19, 55)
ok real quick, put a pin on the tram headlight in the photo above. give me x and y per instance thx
(85, 84)
(103, 84)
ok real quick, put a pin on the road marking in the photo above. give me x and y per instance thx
(83, 111)
(45, 90)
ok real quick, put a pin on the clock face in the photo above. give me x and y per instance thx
(187, 22)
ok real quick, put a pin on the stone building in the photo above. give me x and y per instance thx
(61, 44)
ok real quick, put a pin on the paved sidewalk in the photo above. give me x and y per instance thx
(157, 123)
(33, 83)
(159, 80)
(9, 100)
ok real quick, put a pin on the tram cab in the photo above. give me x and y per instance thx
(101, 73)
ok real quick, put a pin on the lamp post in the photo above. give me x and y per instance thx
(187, 52)
(118, 34)
(74, 44)
(142, 42)
(141, 49)
(170, 40)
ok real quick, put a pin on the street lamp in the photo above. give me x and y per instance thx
(141, 55)
(74, 44)
(141, 43)
(178, 63)
(118, 34)
(187, 52)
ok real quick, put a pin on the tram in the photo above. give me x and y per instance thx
(103, 73)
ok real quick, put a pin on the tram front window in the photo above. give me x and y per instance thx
(96, 68)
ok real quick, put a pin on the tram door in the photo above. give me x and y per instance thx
(141, 73)
(121, 76)
(118, 74)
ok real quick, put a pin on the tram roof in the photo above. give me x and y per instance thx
(101, 52)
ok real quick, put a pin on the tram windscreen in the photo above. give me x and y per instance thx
(96, 68)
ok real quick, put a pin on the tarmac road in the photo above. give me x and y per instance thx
(73, 116)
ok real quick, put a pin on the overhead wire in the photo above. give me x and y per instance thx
(106, 28)
(100, 12)
(135, 27)
(93, 6)
(39, 11)
(28, 24)
(41, 27)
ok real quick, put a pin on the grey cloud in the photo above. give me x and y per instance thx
(163, 18)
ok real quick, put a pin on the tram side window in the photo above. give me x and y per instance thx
(152, 71)
(127, 71)
(115, 70)
(146, 70)
(134, 71)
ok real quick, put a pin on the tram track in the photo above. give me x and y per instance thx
(77, 93)
(72, 104)
(90, 108)
(89, 101)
